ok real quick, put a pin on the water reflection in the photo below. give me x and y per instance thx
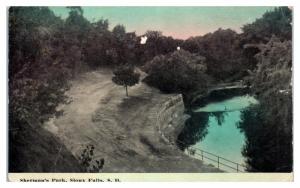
(214, 128)
(196, 127)
(194, 131)
(220, 116)
(269, 146)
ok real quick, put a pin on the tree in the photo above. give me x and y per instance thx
(77, 9)
(224, 56)
(125, 76)
(179, 72)
(97, 47)
(76, 25)
(119, 32)
(276, 22)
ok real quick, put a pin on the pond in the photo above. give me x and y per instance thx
(213, 128)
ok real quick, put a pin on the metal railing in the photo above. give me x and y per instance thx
(220, 162)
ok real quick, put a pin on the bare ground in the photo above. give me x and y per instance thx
(122, 129)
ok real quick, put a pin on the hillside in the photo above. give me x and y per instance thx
(122, 130)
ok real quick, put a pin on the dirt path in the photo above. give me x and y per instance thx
(121, 128)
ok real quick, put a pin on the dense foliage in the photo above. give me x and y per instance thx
(39, 65)
(268, 126)
(277, 22)
(225, 60)
(179, 71)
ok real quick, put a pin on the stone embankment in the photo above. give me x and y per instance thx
(170, 118)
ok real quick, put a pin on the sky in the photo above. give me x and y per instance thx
(178, 22)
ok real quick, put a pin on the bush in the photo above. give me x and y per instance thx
(178, 72)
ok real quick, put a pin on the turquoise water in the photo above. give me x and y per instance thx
(223, 138)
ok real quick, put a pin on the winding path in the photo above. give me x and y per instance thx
(122, 129)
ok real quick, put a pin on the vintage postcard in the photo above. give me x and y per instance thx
(150, 93)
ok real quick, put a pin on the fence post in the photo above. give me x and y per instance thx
(218, 160)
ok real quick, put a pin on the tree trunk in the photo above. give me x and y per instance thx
(126, 91)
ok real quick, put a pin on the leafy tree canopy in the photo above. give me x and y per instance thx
(125, 76)
(179, 71)
(277, 22)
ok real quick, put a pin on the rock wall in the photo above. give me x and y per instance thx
(171, 118)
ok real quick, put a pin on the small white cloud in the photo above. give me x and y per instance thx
(144, 39)
(178, 47)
